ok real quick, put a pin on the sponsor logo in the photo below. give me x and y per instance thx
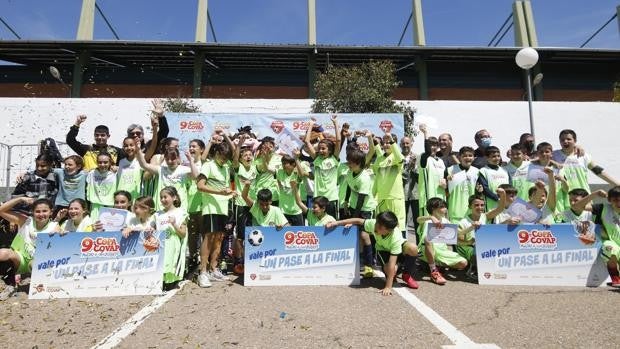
(386, 126)
(487, 275)
(301, 240)
(191, 126)
(277, 126)
(100, 247)
(252, 276)
(537, 239)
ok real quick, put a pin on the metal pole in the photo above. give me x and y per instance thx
(529, 103)
(8, 172)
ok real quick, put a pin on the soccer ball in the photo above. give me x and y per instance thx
(256, 238)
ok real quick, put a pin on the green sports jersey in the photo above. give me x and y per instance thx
(467, 222)
(361, 183)
(518, 178)
(287, 201)
(245, 174)
(611, 222)
(494, 178)
(461, 185)
(429, 178)
(217, 177)
(129, 177)
(575, 171)
(326, 177)
(392, 242)
(315, 221)
(194, 197)
(343, 171)
(179, 178)
(174, 245)
(273, 217)
(388, 170)
(266, 175)
(569, 216)
(100, 187)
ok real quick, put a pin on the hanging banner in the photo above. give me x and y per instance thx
(301, 256)
(540, 255)
(100, 264)
(188, 126)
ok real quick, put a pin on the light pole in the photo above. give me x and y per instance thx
(56, 74)
(526, 58)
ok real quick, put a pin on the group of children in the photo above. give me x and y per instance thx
(234, 181)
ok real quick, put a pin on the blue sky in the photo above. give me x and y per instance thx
(560, 23)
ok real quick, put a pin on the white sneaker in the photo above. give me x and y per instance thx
(218, 276)
(203, 280)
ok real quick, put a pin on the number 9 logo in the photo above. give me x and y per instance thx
(523, 236)
(87, 244)
(289, 237)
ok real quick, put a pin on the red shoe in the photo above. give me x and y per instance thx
(238, 269)
(410, 281)
(615, 281)
(437, 277)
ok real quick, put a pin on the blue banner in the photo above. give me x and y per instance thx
(301, 256)
(556, 255)
(188, 126)
(98, 264)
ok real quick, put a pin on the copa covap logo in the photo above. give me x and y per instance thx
(386, 126)
(100, 247)
(301, 240)
(191, 125)
(537, 239)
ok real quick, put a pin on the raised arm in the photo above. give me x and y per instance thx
(371, 147)
(338, 136)
(349, 221)
(307, 141)
(500, 205)
(195, 171)
(581, 205)
(300, 203)
(71, 140)
(600, 172)
(12, 217)
(245, 194)
(552, 196)
(150, 151)
(150, 168)
(301, 172)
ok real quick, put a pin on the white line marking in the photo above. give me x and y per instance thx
(116, 337)
(457, 337)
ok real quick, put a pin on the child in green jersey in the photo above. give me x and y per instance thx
(391, 247)
(325, 173)
(461, 179)
(172, 220)
(470, 223)
(437, 253)
(608, 216)
(491, 176)
(290, 171)
(317, 216)
(544, 200)
(194, 207)
(101, 185)
(431, 171)
(264, 214)
(517, 170)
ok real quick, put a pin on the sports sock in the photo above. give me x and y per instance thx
(432, 266)
(613, 271)
(410, 264)
(367, 252)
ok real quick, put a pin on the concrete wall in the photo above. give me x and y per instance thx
(27, 120)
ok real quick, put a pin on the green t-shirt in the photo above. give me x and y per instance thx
(575, 170)
(287, 197)
(245, 174)
(467, 222)
(100, 187)
(461, 186)
(518, 178)
(129, 177)
(392, 242)
(611, 222)
(494, 178)
(194, 197)
(428, 180)
(266, 179)
(315, 221)
(388, 171)
(217, 177)
(273, 217)
(179, 178)
(326, 177)
(361, 183)
(343, 171)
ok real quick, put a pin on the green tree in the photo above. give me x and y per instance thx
(364, 88)
(180, 105)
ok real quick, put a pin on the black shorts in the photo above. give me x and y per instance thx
(384, 256)
(296, 220)
(242, 219)
(214, 223)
